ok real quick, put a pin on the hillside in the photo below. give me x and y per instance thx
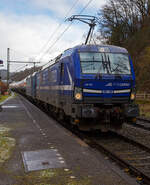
(139, 47)
(126, 24)
(17, 76)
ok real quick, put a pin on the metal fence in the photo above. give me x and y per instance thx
(143, 96)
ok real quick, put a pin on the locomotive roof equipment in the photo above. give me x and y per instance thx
(87, 19)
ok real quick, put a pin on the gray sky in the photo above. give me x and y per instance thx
(27, 25)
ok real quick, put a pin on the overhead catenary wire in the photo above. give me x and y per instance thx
(25, 56)
(58, 38)
(18, 69)
(94, 40)
(52, 35)
(89, 2)
(21, 67)
(20, 53)
(69, 25)
(57, 28)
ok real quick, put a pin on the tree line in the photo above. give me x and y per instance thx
(120, 19)
(126, 23)
(17, 76)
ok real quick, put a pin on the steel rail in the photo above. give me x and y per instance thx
(141, 123)
(96, 142)
(138, 173)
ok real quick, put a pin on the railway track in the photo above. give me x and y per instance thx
(132, 156)
(142, 123)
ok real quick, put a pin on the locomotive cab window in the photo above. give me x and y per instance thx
(104, 63)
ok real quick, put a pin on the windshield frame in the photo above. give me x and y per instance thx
(98, 72)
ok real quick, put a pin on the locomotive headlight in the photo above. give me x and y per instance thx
(133, 94)
(132, 97)
(78, 93)
(78, 96)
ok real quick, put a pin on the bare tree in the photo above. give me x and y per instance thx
(120, 19)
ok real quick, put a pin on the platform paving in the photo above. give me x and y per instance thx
(47, 154)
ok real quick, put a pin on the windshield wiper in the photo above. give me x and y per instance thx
(109, 64)
(105, 65)
(98, 72)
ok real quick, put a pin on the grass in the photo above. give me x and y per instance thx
(144, 106)
(3, 97)
(6, 144)
(51, 177)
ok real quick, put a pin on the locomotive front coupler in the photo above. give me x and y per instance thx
(102, 113)
(89, 112)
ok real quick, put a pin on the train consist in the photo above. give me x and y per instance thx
(91, 85)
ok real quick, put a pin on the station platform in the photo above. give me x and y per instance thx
(45, 153)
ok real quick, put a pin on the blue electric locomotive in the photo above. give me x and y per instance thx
(92, 85)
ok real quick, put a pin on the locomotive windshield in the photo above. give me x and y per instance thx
(105, 63)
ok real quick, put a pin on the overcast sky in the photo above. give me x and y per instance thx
(27, 25)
